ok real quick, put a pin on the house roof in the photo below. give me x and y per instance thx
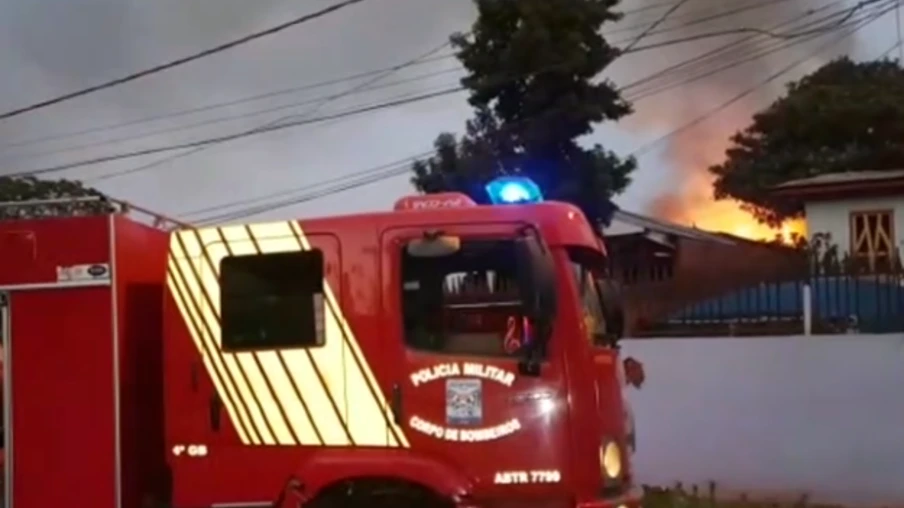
(843, 185)
(844, 178)
(625, 222)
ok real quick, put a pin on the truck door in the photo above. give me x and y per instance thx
(58, 396)
(462, 399)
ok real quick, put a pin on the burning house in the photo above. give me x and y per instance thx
(665, 267)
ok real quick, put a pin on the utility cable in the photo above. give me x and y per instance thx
(221, 139)
(181, 61)
(718, 53)
(740, 30)
(701, 61)
(677, 5)
(696, 17)
(217, 105)
(230, 137)
(318, 101)
(274, 125)
(362, 178)
(898, 28)
(354, 77)
(704, 73)
(725, 105)
(132, 137)
(891, 50)
(369, 84)
(388, 170)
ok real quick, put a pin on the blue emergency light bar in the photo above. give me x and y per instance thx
(513, 190)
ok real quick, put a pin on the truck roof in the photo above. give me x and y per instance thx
(561, 224)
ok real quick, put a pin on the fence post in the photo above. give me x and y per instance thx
(807, 305)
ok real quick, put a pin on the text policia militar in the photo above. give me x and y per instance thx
(454, 369)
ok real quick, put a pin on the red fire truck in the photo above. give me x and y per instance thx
(443, 354)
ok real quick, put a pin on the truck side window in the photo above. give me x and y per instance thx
(467, 303)
(271, 301)
(591, 301)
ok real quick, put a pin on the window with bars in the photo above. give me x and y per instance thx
(873, 235)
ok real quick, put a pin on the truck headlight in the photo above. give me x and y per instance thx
(610, 460)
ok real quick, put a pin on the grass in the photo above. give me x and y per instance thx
(680, 496)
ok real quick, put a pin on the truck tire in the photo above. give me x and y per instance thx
(378, 494)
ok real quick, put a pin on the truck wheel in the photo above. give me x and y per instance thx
(379, 494)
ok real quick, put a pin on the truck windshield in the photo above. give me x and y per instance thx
(586, 268)
(467, 303)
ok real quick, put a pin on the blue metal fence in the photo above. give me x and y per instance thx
(867, 303)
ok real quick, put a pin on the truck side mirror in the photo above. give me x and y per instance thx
(536, 278)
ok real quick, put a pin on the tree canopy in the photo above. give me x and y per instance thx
(845, 116)
(533, 77)
(22, 189)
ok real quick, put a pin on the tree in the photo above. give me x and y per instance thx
(845, 116)
(65, 192)
(531, 68)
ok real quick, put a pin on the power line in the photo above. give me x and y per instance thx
(734, 31)
(703, 73)
(181, 61)
(647, 8)
(318, 101)
(721, 107)
(361, 86)
(117, 126)
(218, 105)
(721, 51)
(279, 123)
(695, 17)
(898, 28)
(230, 137)
(896, 45)
(387, 170)
(370, 176)
(656, 23)
(652, 91)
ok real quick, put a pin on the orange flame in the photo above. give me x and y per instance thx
(693, 203)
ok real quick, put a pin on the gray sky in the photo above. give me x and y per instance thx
(48, 47)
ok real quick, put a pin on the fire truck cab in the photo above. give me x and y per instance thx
(443, 354)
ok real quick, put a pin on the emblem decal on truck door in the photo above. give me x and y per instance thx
(324, 396)
(464, 402)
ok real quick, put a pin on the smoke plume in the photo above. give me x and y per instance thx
(687, 156)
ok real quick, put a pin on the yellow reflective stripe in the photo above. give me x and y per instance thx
(257, 377)
(330, 368)
(305, 387)
(213, 365)
(330, 423)
(203, 288)
(277, 411)
(324, 395)
(365, 384)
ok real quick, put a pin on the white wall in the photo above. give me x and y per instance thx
(823, 415)
(834, 217)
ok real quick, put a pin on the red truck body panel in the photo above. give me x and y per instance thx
(118, 389)
(322, 415)
(83, 400)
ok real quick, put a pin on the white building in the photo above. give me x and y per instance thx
(863, 212)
